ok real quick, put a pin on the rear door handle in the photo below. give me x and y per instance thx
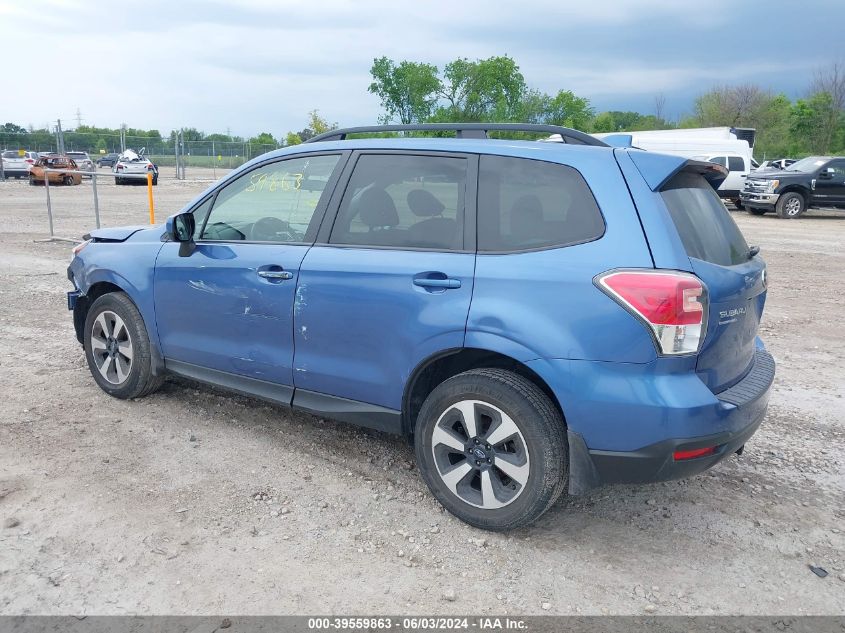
(425, 282)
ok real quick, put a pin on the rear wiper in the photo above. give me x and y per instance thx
(753, 251)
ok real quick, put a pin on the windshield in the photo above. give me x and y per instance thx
(806, 165)
(77, 155)
(10, 154)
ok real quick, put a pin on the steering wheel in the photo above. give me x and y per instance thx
(272, 229)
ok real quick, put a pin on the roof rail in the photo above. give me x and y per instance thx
(465, 130)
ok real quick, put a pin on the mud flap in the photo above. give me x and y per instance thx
(583, 475)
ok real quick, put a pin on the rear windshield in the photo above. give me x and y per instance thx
(704, 224)
(10, 154)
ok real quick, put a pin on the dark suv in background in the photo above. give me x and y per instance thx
(815, 181)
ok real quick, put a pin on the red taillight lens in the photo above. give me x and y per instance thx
(671, 303)
(119, 167)
(692, 454)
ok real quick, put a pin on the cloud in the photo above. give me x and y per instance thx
(261, 65)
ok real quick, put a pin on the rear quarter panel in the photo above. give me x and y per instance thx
(543, 304)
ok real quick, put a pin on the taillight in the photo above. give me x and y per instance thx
(119, 167)
(150, 167)
(672, 304)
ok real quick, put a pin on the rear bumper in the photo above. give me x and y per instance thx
(629, 433)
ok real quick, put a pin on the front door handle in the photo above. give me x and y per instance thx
(274, 273)
(426, 282)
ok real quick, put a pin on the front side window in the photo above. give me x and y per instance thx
(273, 203)
(736, 163)
(403, 201)
(838, 170)
(525, 204)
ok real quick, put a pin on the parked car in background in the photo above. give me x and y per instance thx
(131, 162)
(738, 169)
(108, 160)
(776, 163)
(815, 181)
(532, 317)
(82, 160)
(15, 164)
(37, 173)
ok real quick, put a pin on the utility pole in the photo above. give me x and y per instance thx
(176, 151)
(122, 137)
(78, 117)
(60, 137)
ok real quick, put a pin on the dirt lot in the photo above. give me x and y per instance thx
(195, 501)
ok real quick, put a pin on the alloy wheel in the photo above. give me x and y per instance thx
(480, 454)
(111, 347)
(793, 206)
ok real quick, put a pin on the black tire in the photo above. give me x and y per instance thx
(32, 182)
(738, 204)
(539, 424)
(790, 205)
(139, 381)
(754, 211)
(67, 180)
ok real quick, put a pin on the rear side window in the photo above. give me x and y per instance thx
(736, 163)
(707, 230)
(525, 204)
(404, 201)
(720, 160)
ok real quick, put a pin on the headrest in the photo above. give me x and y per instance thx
(423, 204)
(377, 209)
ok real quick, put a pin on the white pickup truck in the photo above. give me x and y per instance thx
(131, 162)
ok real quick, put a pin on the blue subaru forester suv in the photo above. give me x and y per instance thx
(535, 317)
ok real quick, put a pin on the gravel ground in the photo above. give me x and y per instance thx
(194, 501)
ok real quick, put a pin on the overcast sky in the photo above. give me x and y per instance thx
(261, 65)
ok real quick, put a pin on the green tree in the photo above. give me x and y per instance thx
(408, 91)
(292, 138)
(483, 90)
(568, 110)
(12, 128)
(318, 124)
(265, 138)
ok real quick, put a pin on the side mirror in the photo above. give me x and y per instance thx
(180, 228)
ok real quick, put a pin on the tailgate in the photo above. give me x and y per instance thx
(736, 289)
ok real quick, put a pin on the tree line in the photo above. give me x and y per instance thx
(494, 89)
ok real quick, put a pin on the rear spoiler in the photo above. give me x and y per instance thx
(658, 169)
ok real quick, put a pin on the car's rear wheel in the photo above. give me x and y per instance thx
(117, 348)
(790, 205)
(492, 448)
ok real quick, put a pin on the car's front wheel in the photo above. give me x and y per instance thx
(117, 348)
(791, 205)
(492, 448)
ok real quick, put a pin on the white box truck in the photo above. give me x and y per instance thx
(729, 147)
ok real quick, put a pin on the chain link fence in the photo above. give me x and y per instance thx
(209, 152)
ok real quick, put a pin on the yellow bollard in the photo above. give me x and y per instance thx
(150, 196)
